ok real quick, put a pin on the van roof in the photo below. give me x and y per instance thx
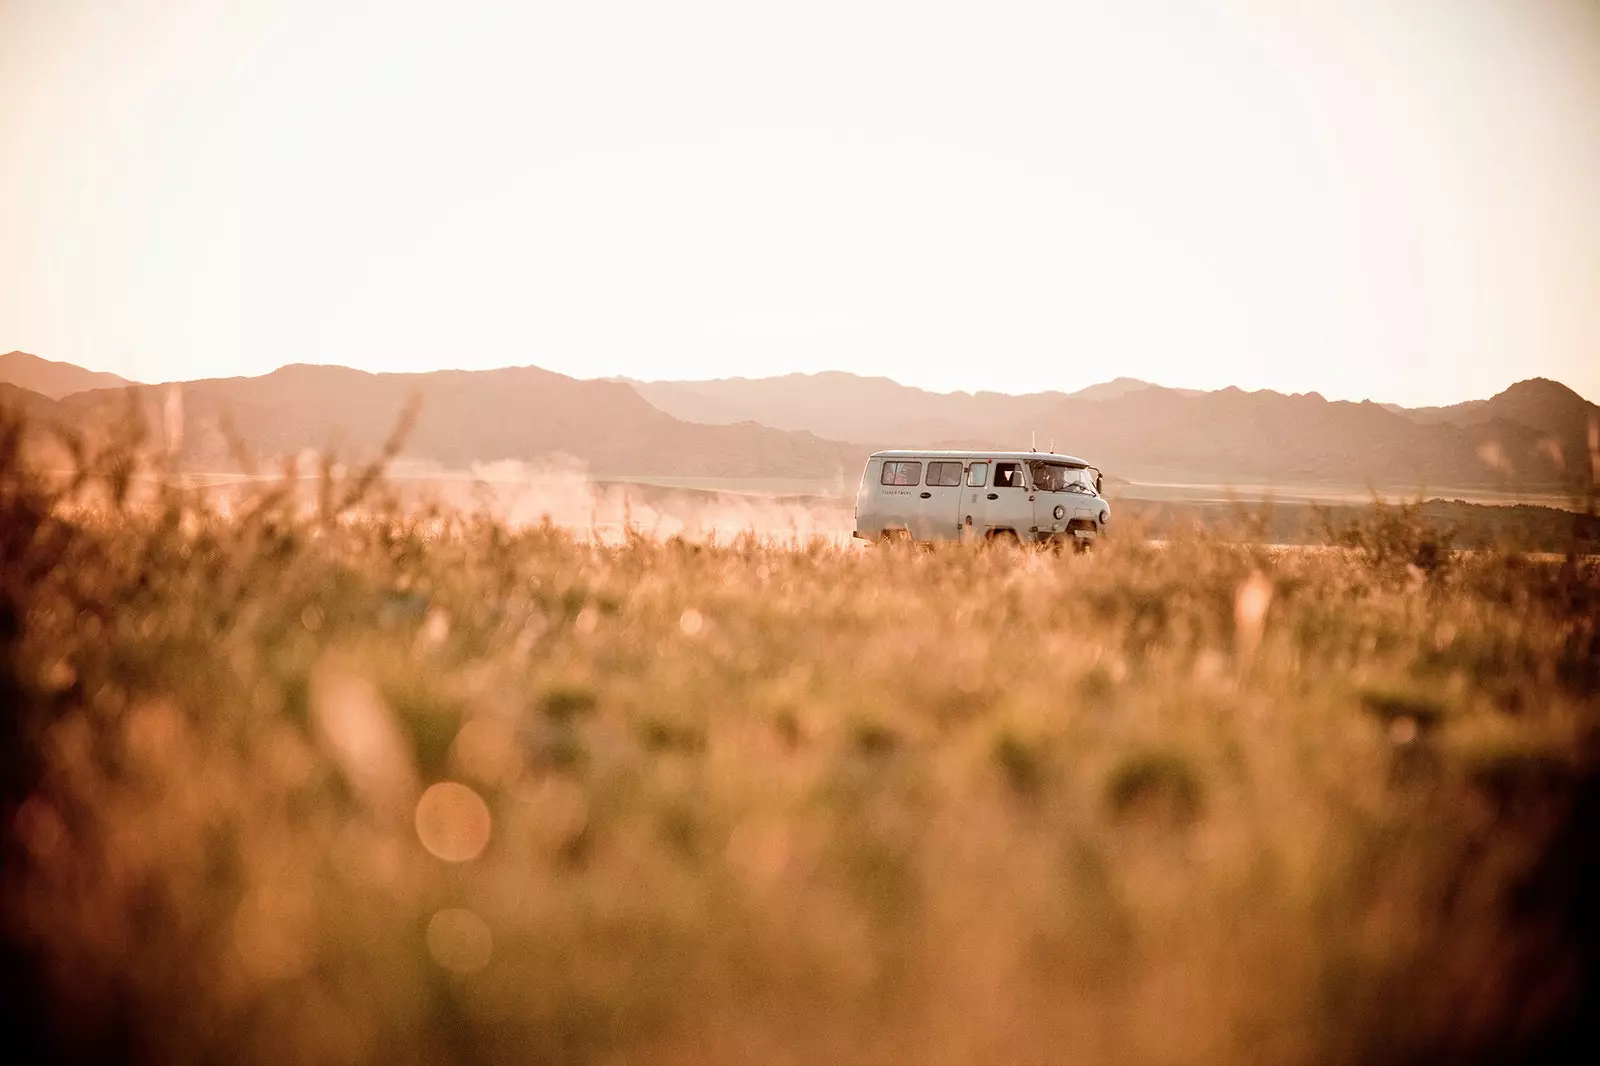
(925, 453)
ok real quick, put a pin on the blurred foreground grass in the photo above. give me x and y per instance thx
(370, 784)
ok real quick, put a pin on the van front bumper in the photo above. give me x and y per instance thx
(1080, 538)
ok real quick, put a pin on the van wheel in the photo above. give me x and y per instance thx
(891, 537)
(1006, 538)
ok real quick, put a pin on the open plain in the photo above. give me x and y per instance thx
(349, 780)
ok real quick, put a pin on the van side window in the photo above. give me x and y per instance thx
(1008, 475)
(944, 474)
(901, 472)
(978, 475)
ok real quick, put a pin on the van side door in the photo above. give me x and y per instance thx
(1006, 503)
(996, 497)
(974, 500)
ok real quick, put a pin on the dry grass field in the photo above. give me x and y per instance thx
(358, 783)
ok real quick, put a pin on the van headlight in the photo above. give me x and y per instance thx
(1060, 512)
(1105, 516)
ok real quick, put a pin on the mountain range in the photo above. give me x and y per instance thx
(52, 379)
(849, 407)
(1535, 435)
(462, 417)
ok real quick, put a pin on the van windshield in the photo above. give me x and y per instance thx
(1062, 477)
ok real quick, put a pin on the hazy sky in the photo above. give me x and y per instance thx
(1396, 199)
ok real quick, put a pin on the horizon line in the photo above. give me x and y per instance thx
(625, 379)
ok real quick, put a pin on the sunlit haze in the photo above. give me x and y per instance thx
(1363, 198)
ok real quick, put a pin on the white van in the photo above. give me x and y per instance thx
(1026, 497)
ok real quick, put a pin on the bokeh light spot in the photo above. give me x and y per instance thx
(459, 940)
(485, 750)
(453, 822)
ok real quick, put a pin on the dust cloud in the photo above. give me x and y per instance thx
(562, 491)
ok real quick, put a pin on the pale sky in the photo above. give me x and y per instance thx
(1394, 199)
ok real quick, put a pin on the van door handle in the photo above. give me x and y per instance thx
(994, 495)
(927, 495)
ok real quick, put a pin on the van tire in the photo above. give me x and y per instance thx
(1002, 538)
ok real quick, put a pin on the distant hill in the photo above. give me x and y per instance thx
(1267, 437)
(32, 404)
(40, 415)
(52, 379)
(1533, 434)
(470, 416)
(1559, 417)
(1536, 402)
(1110, 390)
(845, 406)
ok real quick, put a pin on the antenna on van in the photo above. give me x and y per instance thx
(1033, 440)
(1052, 445)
